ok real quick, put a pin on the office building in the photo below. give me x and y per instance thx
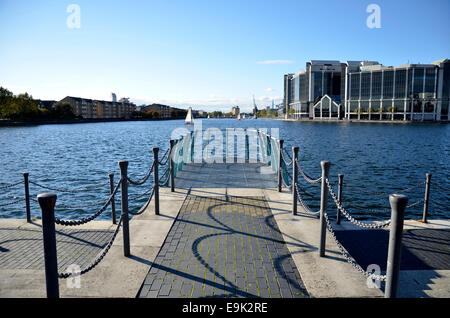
(367, 90)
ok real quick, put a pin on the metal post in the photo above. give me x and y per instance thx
(113, 200)
(247, 147)
(294, 179)
(280, 158)
(155, 180)
(323, 206)
(171, 167)
(427, 196)
(47, 203)
(124, 195)
(338, 216)
(27, 196)
(398, 205)
(192, 146)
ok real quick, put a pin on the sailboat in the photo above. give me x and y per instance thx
(239, 117)
(208, 116)
(189, 118)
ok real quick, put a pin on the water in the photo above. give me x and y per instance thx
(374, 157)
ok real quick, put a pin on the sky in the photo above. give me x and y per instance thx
(209, 54)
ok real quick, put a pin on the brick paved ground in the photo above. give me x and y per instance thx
(224, 246)
(23, 249)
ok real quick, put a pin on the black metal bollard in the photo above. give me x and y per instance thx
(155, 180)
(247, 147)
(338, 215)
(47, 203)
(124, 195)
(427, 197)
(323, 206)
(398, 205)
(113, 200)
(27, 196)
(280, 157)
(294, 179)
(171, 167)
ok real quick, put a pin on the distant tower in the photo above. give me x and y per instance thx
(114, 97)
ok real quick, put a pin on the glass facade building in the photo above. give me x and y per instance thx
(363, 90)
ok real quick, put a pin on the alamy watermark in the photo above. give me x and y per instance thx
(373, 269)
(374, 19)
(214, 145)
(74, 280)
(73, 21)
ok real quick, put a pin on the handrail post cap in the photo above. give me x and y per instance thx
(46, 196)
(47, 201)
(325, 164)
(123, 163)
(399, 200)
(155, 149)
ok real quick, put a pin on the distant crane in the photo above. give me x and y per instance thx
(255, 108)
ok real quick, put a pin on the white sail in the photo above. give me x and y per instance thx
(189, 118)
(239, 117)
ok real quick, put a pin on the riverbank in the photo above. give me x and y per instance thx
(387, 121)
(9, 123)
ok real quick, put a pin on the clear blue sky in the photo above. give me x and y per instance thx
(211, 53)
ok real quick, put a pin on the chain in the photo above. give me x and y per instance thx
(140, 195)
(13, 202)
(92, 217)
(303, 203)
(143, 179)
(11, 185)
(79, 207)
(70, 191)
(349, 217)
(305, 176)
(102, 254)
(284, 159)
(348, 257)
(142, 210)
(166, 174)
(363, 209)
(163, 157)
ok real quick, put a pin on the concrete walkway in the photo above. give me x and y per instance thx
(333, 276)
(21, 265)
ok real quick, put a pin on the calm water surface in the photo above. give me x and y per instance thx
(373, 157)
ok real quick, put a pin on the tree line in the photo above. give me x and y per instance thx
(24, 107)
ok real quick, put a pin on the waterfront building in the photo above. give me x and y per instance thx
(235, 111)
(163, 110)
(367, 90)
(90, 108)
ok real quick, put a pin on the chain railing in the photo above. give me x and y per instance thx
(305, 176)
(10, 185)
(67, 190)
(47, 203)
(347, 256)
(348, 216)
(98, 259)
(92, 217)
(305, 206)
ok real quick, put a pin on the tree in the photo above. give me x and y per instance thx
(62, 111)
